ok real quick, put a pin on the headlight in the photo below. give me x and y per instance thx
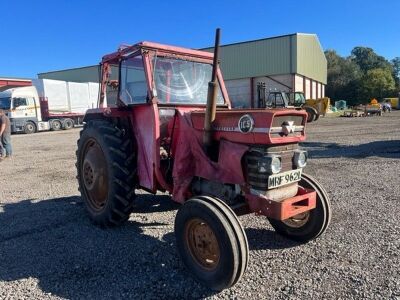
(270, 164)
(300, 158)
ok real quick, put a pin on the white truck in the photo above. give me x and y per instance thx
(48, 104)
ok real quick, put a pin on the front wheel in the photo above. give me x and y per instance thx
(211, 242)
(311, 224)
(30, 127)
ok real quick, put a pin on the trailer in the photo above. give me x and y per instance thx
(48, 104)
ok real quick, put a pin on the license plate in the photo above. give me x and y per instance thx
(284, 178)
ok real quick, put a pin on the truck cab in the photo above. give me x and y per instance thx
(22, 107)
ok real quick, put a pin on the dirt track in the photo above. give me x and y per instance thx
(49, 249)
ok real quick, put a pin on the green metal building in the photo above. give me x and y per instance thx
(294, 62)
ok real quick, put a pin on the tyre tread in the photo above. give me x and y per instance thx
(119, 146)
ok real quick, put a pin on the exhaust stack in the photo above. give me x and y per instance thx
(211, 97)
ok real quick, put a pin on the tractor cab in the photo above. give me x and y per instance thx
(164, 123)
(149, 72)
(275, 99)
(296, 99)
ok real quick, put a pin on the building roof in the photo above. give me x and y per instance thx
(12, 82)
(81, 74)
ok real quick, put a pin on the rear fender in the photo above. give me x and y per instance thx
(105, 113)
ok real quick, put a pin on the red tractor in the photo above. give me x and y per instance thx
(161, 125)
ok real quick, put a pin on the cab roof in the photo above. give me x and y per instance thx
(126, 50)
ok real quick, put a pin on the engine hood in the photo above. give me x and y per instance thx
(255, 126)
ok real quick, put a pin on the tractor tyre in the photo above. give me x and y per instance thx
(309, 225)
(311, 113)
(68, 124)
(56, 125)
(316, 117)
(211, 242)
(238, 229)
(30, 127)
(106, 166)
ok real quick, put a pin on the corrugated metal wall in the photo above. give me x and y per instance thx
(297, 53)
(258, 58)
(311, 61)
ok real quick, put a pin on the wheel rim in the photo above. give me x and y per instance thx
(298, 221)
(29, 127)
(202, 243)
(56, 125)
(94, 174)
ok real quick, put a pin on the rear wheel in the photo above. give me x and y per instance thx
(311, 224)
(30, 127)
(68, 124)
(211, 242)
(56, 125)
(106, 168)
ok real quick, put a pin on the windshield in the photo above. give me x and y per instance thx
(181, 81)
(5, 103)
(277, 99)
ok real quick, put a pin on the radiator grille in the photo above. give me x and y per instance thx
(258, 180)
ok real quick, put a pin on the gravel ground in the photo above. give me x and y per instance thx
(49, 249)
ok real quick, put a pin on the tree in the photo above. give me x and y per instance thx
(343, 77)
(367, 59)
(396, 71)
(361, 76)
(377, 83)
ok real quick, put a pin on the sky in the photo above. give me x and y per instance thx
(40, 36)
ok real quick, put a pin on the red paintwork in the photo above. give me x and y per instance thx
(190, 160)
(305, 200)
(46, 115)
(185, 129)
(262, 120)
(114, 57)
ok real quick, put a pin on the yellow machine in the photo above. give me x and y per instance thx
(393, 101)
(373, 108)
(320, 104)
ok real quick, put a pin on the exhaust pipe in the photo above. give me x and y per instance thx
(211, 97)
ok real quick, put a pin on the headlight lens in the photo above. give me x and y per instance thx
(270, 164)
(276, 165)
(300, 158)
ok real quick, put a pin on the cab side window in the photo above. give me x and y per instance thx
(19, 102)
(133, 88)
(112, 87)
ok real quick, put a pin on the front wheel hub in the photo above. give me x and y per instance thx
(95, 175)
(202, 243)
